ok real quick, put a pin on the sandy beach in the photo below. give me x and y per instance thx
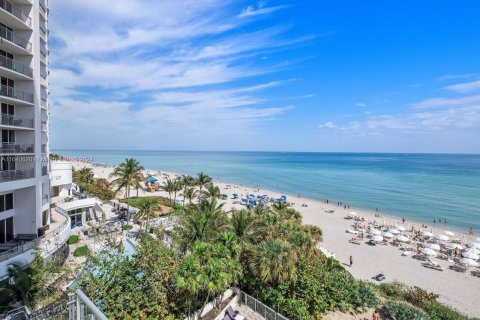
(458, 290)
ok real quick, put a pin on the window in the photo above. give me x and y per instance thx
(8, 109)
(7, 163)
(45, 218)
(6, 202)
(7, 82)
(8, 136)
(6, 230)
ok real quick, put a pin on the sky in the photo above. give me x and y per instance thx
(285, 75)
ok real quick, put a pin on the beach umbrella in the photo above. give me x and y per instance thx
(394, 231)
(151, 179)
(434, 246)
(470, 255)
(454, 246)
(377, 238)
(375, 232)
(477, 240)
(449, 233)
(353, 213)
(283, 196)
(402, 239)
(475, 245)
(235, 195)
(429, 252)
(468, 262)
(473, 250)
(401, 228)
(427, 234)
(388, 235)
(442, 237)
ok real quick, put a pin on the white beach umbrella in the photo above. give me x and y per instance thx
(473, 250)
(394, 231)
(377, 238)
(388, 235)
(449, 233)
(353, 213)
(429, 252)
(442, 237)
(434, 246)
(477, 240)
(468, 262)
(401, 228)
(427, 234)
(454, 246)
(475, 245)
(402, 239)
(375, 232)
(470, 255)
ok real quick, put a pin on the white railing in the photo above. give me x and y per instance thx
(7, 147)
(11, 120)
(15, 66)
(9, 35)
(256, 305)
(15, 93)
(14, 10)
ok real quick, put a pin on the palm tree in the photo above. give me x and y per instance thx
(211, 192)
(279, 206)
(128, 174)
(177, 186)
(244, 225)
(84, 175)
(202, 181)
(148, 207)
(274, 261)
(169, 186)
(186, 181)
(189, 194)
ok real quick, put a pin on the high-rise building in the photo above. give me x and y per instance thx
(26, 220)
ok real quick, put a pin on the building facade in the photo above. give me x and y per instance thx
(25, 215)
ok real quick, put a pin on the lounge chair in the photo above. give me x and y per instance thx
(432, 265)
(233, 314)
(458, 268)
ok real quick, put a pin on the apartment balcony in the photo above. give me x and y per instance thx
(44, 126)
(14, 175)
(13, 121)
(15, 40)
(44, 170)
(13, 93)
(13, 68)
(43, 7)
(43, 56)
(43, 104)
(44, 148)
(45, 200)
(14, 15)
(14, 148)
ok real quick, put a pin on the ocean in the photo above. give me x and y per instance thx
(421, 187)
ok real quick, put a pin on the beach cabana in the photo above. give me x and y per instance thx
(442, 237)
(429, 252)
(402, 239)
(470, 255)
(468, 262)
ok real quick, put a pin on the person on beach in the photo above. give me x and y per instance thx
(351, 261)
(470, 232)
(376, 315)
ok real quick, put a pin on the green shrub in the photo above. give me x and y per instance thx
(127, 227)
(81, 251)
(73, 239)
(395, 290)
(365, 297)
(419, 297)
(403, 311)
(438, 311)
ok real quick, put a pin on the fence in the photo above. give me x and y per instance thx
(260, 308)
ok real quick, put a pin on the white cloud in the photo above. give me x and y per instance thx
(360, 104)
(328, 125)
(446, 102)
(251, 10)
(465, 87)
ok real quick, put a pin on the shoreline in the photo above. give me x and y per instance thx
(458, 290)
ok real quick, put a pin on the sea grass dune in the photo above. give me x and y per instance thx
(342, 226)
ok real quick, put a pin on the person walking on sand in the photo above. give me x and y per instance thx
(376, 315)
(351, 261)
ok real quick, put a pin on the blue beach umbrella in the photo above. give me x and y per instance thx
(152, 179)
(235, 195)
(252, 202)
(244, 200)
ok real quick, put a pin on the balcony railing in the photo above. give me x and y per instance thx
(44, 97)
(43, 30)
(44, 127)
(45, 200)
(8, 147)
(44, 148)
(14, 93)
(9, 120)
(15, 66)
(13, 9)
(14, 175)
(12, 37)
(43, 74)
(44, 170)
(43, 7)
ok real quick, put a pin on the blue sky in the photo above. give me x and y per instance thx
(376, 76)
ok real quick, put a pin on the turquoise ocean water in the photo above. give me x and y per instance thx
(422, 187)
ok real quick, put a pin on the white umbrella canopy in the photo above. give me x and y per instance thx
(442, 237)
(427, 234)
(401, 228)
(475, 245)
(468, 262)
(454, 246)
(470, 255)
(434, 246)
(388, 235)
(473, 250)
(377, 238)
(449, 233)
(353, 213)
(402, 239)
(375, 232)
(429, 252)
(394, 231)
(477, 240)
